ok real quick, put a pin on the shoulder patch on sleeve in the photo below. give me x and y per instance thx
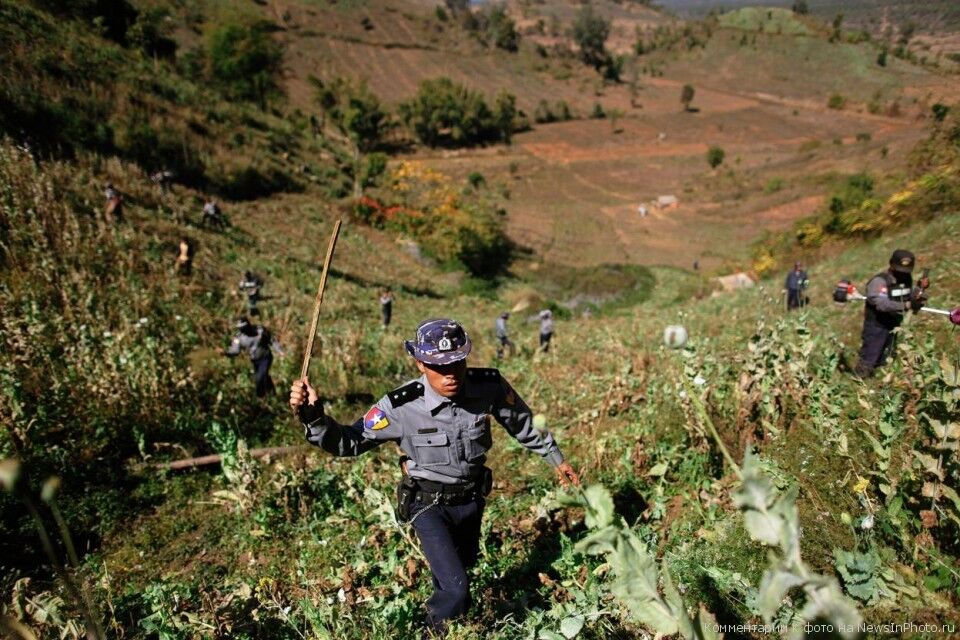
(406, 393)
(375, 419)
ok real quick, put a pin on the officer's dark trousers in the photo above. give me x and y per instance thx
(261, 375)
(450, 538)
(545, 341)
(793, 298)
(387, 311)
(505, 343)
(877, 342)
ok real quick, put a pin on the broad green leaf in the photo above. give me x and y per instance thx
(774, 586)
(881, 451)
(658, 469)
(942, 430)
(570, 627)
(600, 506)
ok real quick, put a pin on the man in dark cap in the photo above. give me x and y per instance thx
(259, 344)
(796, 286)
(442, 422)
(250, 286)
(890, 294)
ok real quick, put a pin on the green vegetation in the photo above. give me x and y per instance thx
(546, 113)
(856, 207)
(245, 61)
(590, 33)
(444, 113)
(715, 156)
(497, 27)
(766, 20)
(836, 101)
(745, 478)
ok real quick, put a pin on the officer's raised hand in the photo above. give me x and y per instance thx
(566, 474)
(304, 401)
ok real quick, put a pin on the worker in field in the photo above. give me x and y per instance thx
(250, 286)
(113, 211)
(796, 287)
(184, 263)
(442, 422)
(890, 294)
(386, 306)
(503, 337)
(212, 215)
(257, 342)
(546, 329)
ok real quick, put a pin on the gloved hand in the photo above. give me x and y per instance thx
(955, 316)
(305, 402)
(917, 302)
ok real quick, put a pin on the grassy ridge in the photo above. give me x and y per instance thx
(69, 90)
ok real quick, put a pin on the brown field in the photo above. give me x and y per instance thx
(575, 187)
(575, 194)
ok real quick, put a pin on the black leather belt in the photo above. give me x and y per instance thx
(447, 494)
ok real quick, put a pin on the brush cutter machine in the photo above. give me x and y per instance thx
(846, 291)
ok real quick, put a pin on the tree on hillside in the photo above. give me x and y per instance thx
(505, 114)
(800, 8)
(715, 156)
(354, 110)
(151, 33)
(590, 32)
(499, 28)
(837, 28)
(686, 96)
(444, 113)
(245, 61)
(358, 115)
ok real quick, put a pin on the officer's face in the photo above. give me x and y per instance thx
(445, 379)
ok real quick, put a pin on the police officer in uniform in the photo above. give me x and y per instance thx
(890, 294)
(442, 422)
(257, 342)
(796, 285)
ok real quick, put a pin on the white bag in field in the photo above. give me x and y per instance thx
(675, 336)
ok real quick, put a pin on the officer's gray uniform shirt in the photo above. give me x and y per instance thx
(446, 438)
(252, 345)
(886, 297)
(546, 325)
(501, 325)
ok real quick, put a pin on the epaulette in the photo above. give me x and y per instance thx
(406, 393)
(483, 375)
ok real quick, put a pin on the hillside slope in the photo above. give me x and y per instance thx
(273, 546)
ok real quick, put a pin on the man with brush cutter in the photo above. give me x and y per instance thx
(890, 294)
(442, 421)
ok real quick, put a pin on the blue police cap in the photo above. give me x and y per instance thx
(439, 341)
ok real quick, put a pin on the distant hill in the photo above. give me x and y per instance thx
(929, 16)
